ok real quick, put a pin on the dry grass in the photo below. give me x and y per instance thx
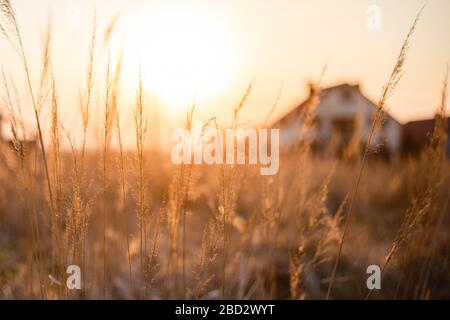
(142, 228)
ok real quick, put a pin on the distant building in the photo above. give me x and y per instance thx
(342, 114)
(417, 134)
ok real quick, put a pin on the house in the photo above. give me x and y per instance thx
(342, 114)
(417, 134)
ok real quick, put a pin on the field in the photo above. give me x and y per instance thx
(140, 227)
(242, 236)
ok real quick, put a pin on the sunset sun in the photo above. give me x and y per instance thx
(184, 55)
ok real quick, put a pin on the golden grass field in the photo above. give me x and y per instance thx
(140, 227)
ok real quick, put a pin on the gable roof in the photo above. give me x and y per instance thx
(298, 110)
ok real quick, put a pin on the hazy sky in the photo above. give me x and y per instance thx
(273, 42)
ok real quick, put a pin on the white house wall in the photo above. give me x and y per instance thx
(333, 107)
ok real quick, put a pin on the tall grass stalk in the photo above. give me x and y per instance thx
(118, 131)
(107, 122)
(422, 204)
(228, 192)
(378, 121)
(141, 130)
(13, 35)
(175, 209)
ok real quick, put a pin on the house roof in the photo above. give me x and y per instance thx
(299, 109)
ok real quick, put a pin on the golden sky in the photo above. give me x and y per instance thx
(211, 50)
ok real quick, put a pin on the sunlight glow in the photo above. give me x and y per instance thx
(185, 54)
